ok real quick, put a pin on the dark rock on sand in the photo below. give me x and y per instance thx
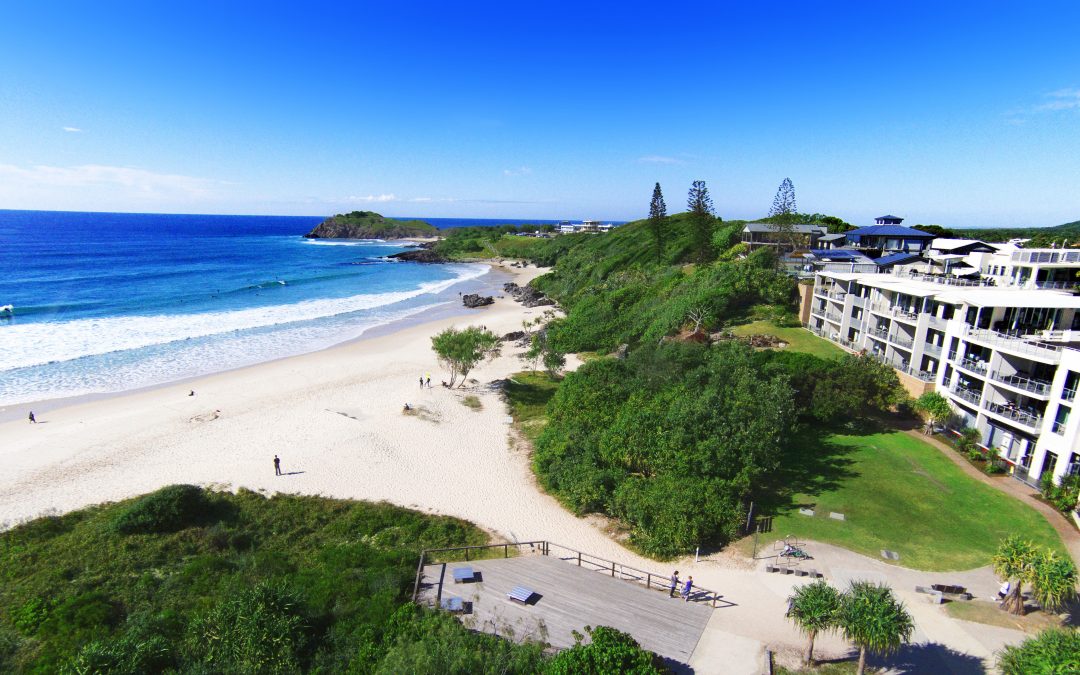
(472, 300)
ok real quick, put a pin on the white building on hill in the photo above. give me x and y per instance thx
(1002, 342)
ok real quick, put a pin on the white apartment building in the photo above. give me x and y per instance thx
(1004, 348)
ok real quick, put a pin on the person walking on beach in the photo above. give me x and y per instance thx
(277, 466)
(686, 589)
(421, 381)
(33, 420)
(428, 381)
(674, 584)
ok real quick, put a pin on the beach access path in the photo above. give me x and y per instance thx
(335, 419)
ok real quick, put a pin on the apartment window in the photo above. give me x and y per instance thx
(1061, 420)
(1071, 382)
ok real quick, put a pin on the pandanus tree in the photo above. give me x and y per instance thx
(1015, 562)
(1053, 581)
(813, 609)
(874, 620)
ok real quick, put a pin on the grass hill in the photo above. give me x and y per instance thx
(369, 225)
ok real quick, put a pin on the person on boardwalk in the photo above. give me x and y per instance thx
(33, 420)
(277, 466)
(674, 584)
(686, 589)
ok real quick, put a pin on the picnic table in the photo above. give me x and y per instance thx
(462, 574)
(520, 594)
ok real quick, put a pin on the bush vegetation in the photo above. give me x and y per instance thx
(190, 581)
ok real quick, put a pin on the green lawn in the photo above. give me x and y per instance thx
(798, 339)
(900, 494)
(528, 393)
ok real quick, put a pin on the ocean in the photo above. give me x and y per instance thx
(109, 302)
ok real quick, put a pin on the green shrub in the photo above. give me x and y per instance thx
(1063, 495)
(1053, 651)
(169, 509)
(128, 655)
(260, 631)
(29, 616)
(609, 651)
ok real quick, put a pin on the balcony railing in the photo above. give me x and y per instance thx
(837, 295)
(969, 395)
(1058, 428)
(1015, 414)
(1016, 344)
(974, 365)
(901, 340)
(932, 349)
(1055, 284)
(882, 333)
(1068, 394)
(903, 367)
(835, 318)
(948, 280)
(1041, 387)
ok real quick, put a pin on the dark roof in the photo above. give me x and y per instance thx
(888, 218)
(889, 231)
(896, 258)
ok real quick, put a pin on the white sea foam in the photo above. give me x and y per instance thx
(32, 344)
(373, 243)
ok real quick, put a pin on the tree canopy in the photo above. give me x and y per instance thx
(874, 620)
(1055, 651)
(657, 218)
(462, 350)
(699, 205)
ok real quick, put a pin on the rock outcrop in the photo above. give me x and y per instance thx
(472, 300)
(424, 253)
(527, 295)
(369, 225)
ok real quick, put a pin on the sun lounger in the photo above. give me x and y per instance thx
(520, 594)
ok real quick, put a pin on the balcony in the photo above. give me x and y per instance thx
(1068, 394)
(974, 365)
(1011, 412)
(903, 367)
(1018, 345)
(932, 349)
(1058, 428)
(836, 295)
(880, 333)
(1040, 387)
(898, 339)
(835, 318)
(949, 281)
(969, 395)
(1055, 284)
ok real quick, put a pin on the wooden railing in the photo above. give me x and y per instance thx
(650, 580)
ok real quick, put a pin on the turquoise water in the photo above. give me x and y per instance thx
(107, 302)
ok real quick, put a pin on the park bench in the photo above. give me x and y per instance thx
(936, 597)
(520, 594)
(462, 574)
(952, 592)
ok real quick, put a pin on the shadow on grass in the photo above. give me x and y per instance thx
(812, 464)
(931, 658)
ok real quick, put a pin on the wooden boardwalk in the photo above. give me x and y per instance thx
(567, 599)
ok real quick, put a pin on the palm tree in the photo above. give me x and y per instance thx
(1015, 562)
(813, 609)
(1055, 650)
(874, 620)
(1053, 580)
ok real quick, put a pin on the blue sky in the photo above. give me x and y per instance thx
(966, 116)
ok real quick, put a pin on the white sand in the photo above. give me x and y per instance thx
(335, 419)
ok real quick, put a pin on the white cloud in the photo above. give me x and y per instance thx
(370, 199)
(103, 181)
(660, 159)
(74, 130)
(1062, 99)
(520, 171)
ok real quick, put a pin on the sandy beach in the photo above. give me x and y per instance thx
(335, 419)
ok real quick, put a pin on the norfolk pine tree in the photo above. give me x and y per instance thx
(657, 216)
(699, 204)
(783, 213)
